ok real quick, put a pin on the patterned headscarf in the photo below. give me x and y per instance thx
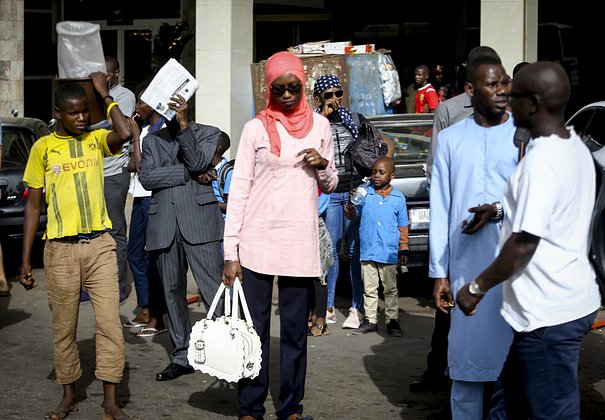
(299, 122)
(327, 81)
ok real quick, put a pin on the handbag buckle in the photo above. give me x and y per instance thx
(200, 352)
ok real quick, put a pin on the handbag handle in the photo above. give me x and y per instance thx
(222, 289)
(238, 291)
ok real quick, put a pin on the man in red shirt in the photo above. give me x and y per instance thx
(427, 98)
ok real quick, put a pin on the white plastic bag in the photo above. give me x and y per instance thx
(389, 79)
(79, 49)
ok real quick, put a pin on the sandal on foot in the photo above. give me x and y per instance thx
(324, 329)
(150, 332)
(134, 324)
(315, 330)
(59, 415)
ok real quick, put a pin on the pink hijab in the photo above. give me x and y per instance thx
(298, 122)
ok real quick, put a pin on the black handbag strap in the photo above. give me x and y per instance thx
(356, 119)
(521, 138)
(350, 151)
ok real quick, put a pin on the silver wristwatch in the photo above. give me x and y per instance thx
(499, 212)
(473, 289)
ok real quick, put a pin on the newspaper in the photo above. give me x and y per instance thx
(172, 78)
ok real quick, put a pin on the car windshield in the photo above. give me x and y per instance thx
(16, 143)
(411, 142)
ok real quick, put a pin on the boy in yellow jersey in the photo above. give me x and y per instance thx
(79, 252)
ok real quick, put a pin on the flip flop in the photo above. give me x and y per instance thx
(150, 332)
(133, 324)
(59, 415)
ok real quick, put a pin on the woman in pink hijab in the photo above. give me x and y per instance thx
(285, 154)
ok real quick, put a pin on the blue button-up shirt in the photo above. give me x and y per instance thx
(379, 225)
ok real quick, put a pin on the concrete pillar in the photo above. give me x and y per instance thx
(511, 28)
(11, 56)
(223, 46)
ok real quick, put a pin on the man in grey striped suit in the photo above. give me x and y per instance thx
(185, 222)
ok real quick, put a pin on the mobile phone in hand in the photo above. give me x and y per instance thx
(468, 222)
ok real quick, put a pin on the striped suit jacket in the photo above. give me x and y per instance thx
(168, 169)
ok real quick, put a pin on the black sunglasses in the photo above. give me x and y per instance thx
(328, 95)
(517, 95)
(280, 90)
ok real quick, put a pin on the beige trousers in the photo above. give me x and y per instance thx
(69, 266)
(372, 274)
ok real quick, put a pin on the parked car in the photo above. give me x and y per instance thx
(411, 136)
(589, 123)
(18, 136)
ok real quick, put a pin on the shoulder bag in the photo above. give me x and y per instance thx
(362, 152)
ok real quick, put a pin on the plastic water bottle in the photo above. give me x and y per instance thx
(360, 192)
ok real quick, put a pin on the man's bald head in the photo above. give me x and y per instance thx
(538, 98)
(548, 81)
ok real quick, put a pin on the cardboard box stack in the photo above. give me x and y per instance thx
(342, 59)
(315, 66)
(325, 47)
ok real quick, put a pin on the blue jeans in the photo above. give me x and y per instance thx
(539, 379)
(137, 255)
(340, 227)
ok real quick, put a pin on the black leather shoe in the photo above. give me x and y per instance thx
(424, 384)
(173, 371)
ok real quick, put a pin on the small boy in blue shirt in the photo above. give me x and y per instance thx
(213, 177)
(384, 243)
(218, 161)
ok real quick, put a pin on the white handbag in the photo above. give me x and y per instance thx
(228, 347)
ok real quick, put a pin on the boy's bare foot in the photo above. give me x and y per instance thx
(66, 406)
(4, 288)
(113, 412)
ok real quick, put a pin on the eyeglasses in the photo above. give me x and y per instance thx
(280, 90)
(517, 95)
(328, 95)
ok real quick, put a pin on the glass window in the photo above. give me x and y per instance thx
(137, 58)
(412, 142)
(16, 143)
(127, 10)
(590, 125)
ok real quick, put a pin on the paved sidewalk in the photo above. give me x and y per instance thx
(349, 377)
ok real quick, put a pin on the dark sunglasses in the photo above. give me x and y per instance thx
(328, 95)
(518, 95)
(280, 90)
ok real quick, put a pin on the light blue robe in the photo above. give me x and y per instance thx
(471, 167)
